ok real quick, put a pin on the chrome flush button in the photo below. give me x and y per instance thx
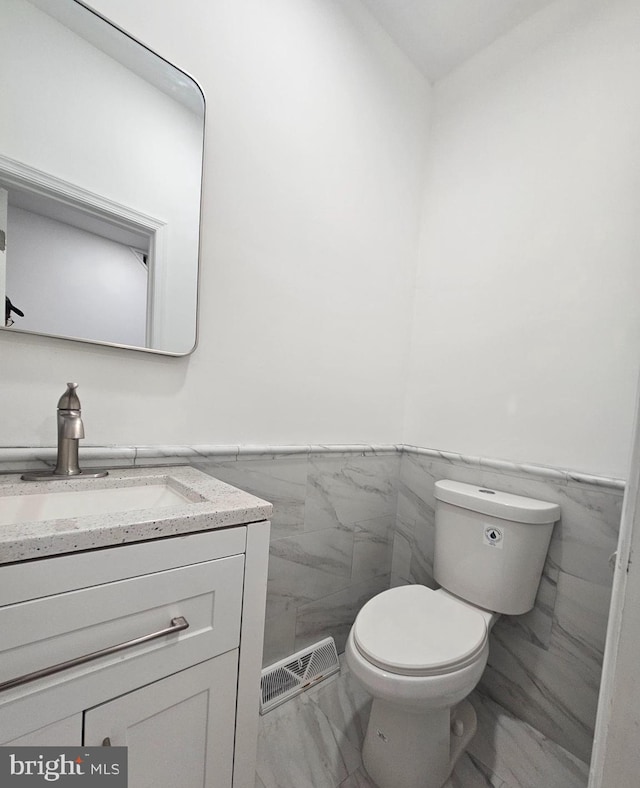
(493, 536)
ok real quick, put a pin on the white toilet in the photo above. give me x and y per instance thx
(420, 652)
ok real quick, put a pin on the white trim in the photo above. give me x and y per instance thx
(23, 176)
(4, 195)
(612, 720)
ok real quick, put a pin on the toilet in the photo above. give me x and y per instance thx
(419, 652)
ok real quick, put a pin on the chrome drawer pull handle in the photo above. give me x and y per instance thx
(177, 625)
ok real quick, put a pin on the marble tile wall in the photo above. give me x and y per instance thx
(349, 521)
(544, 666)
(331, 540)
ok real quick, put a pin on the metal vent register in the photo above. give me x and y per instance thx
(295, 674)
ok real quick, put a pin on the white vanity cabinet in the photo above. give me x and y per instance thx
(176, 624)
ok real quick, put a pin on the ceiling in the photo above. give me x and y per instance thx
(438, 35)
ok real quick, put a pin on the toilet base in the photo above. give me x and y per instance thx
(407, 750)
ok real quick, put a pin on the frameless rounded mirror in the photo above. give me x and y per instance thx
(100, 180)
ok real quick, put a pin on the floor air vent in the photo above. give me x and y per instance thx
(295, 674)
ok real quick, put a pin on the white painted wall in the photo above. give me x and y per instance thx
(313, 180)
(527, 328)
(76, 114)
(74, 283)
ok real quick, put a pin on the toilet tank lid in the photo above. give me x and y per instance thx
(497, 504)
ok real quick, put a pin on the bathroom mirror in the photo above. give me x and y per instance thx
(101, 146)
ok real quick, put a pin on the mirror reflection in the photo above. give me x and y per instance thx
(100, 179)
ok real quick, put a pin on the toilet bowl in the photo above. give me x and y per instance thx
(419, 648)
(420, 652)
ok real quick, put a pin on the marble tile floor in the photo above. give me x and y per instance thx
(315, 739)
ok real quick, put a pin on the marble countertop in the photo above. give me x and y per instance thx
(210, 504)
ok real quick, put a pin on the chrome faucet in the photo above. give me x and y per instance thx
(70, 431)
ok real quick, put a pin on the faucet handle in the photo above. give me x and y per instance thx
(69, 400)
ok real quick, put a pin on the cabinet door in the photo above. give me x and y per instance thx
(64, 733)
(179, 731)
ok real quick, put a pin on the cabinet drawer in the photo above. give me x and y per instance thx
(55, 629)
(48, 576)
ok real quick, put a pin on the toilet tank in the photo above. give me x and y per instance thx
(490, 546)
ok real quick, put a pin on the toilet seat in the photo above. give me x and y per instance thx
(414, 631)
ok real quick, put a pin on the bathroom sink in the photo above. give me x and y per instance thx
(67, 515)
(78, 503)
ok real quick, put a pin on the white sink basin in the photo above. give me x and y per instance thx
(77, 503)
